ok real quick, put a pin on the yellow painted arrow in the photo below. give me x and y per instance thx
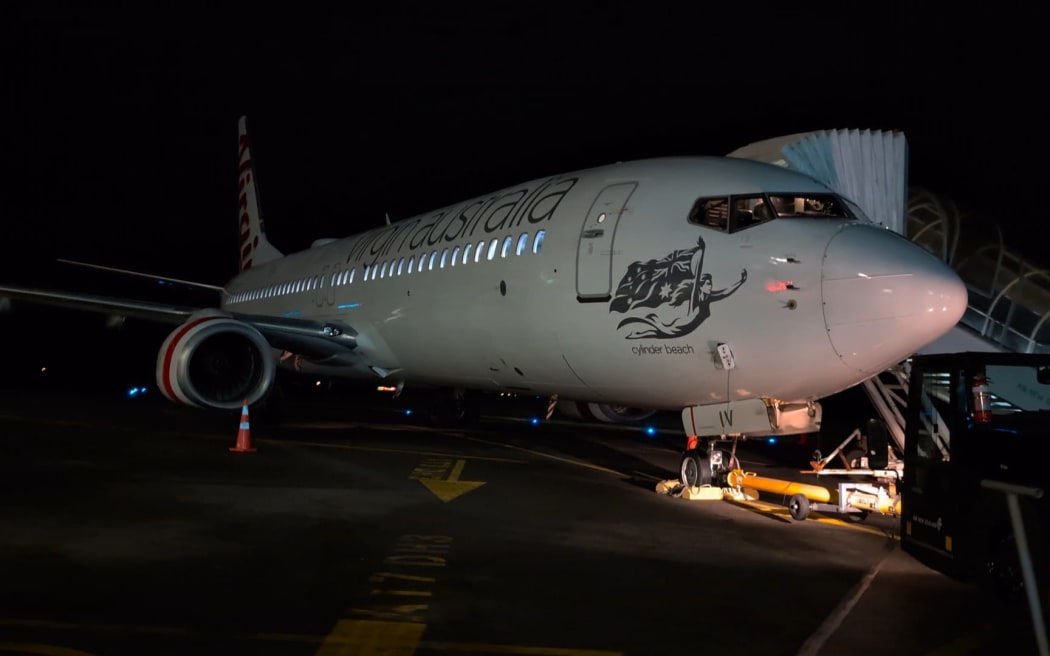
(450, 488)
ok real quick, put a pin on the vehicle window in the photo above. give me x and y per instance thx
(934, 436)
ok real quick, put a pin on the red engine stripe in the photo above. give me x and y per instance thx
(169, 354)
(585, 411)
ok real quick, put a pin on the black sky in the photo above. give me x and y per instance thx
(120, 141)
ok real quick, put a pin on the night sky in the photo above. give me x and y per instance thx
(120, 126)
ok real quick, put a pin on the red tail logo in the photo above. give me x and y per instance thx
(248, 242)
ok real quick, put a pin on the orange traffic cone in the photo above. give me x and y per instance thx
(244, 434)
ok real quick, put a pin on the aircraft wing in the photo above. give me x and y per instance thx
(101, 304)
(308, 337)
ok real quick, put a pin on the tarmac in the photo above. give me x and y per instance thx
(128, 526)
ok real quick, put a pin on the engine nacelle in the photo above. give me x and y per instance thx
(214, 361)
(604, 412)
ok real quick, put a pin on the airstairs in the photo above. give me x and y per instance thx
(1008, 308)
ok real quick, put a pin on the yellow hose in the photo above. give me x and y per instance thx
(738, 478)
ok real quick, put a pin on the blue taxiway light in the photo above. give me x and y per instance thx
(650, 430)
(534, 421)
(772, 440)
(347, 306)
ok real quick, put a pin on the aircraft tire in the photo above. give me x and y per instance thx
(695, 469)
(798, 507)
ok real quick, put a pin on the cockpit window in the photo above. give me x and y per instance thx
(712, 212)
(815, 205)
(733, 213)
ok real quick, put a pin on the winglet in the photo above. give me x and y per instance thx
(254, 247)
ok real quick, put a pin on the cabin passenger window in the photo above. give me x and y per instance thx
(506, 246)
(382, 272)
(433, 257)
(492, 248)
(479, 251)
(444, 256)
(523, 241)
(537, 245)
(455, 255)
(466, 253)
(400, 266)
(352, 274)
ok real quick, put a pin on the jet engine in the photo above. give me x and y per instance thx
(215, 361)
(604, 412)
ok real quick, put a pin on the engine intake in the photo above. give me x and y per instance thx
(214, 361)
(604, 412)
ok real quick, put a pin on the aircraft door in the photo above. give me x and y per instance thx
(595, 251)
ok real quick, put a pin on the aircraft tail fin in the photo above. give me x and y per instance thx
(254, 247)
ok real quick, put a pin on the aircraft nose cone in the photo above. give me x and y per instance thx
(885, 298)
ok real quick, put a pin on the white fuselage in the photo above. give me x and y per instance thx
(826, 302)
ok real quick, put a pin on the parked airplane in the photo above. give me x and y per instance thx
(735, 291)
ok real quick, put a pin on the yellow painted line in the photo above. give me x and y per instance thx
(347, 636)
(451, 488)
(293, 442)
(153, 630)
(378, 449)
(549, 456)
(460, 648)
(97, 628)
(54, 422)
(772, 512)
(781, 513)
(372, 638)
(43, 650)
